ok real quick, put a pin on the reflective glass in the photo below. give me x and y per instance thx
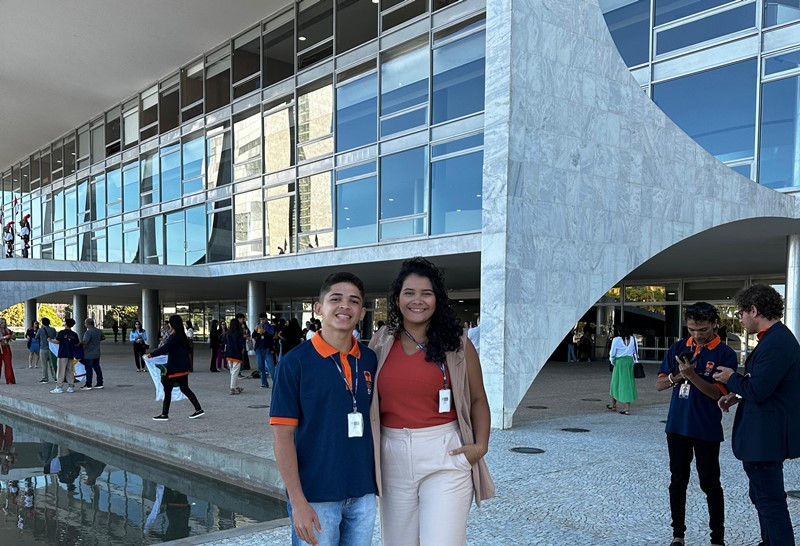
(196, 235)
(404, 80)
(98, 197)
(281, 226)
(99, 251)
(113, 131)
(192, 91)
(169, 110)
(114, 192)
(629, 24)
(357, 170)
(130, 127)
(717, 108)
(314, 27)
(249, 224)
(357, 212)
(458, 78)
(58, 246)
(218, 84)
(778, 12)
(70, 209)
(193, 164)
(48, 213)
(247, 144)
(131, 243)
(315, 149)
(279, 54)
(114, 241)
(356, 23)
(315, 119)
(357, 112)
(403, 183)
(98, 144)
(780, 134)
(279, 140)
(84, 204)
(456, 186)
(707, 28)
(454, 146)
(130, 188)
(170, 173)
(71, 248)
(69, 157)
(402, 14)
(781, 63)
(744, 170)
(671, 10)
(149, 109)
(46, 171)
(57, 159)
(150, 179)
(247, 55)
(85, 251)
(83, 143)
(218, 150)
(315, 240)
(314, 200)
(176, 239)
(220, 243)
(402, 228)
(153, 239)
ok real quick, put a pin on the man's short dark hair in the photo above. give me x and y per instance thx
(89, 321)
(764, 298)
(702, 311)
(46, 321)
(239, 315)
(336, 278)
(69, 322)
(262, 315)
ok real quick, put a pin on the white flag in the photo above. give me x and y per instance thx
(155, 374)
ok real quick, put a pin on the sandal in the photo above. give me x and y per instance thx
(610, 407)
(625, 412)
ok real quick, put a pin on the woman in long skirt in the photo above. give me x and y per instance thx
(623, 355)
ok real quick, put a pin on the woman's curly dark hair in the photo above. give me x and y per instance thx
(444, 330)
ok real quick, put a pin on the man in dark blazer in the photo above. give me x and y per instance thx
(766, 429)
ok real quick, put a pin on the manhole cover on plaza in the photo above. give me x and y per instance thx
(591, 400)
(123, 386)
(536, 407)
(527, 450)
(259, 406)
(569, 429)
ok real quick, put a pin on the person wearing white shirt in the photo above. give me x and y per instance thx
(474, 335)
(623, 355)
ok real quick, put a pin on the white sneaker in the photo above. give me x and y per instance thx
(85, 388)
(57, 390)
(70, 389)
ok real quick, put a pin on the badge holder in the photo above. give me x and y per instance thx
(355, 425)
(445, 398)
(683, 391)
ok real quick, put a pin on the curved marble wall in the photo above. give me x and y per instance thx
(584, 180)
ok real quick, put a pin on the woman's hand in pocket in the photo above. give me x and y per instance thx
(473, 452)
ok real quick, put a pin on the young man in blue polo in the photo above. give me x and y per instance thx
(694, 424)
(319, 415)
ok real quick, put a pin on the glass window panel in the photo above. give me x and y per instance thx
(780, 133)
(403, 183)
(744, 170)
(281, 226)
(249, 224)
(150, 179)
(458, 78)
(192, 91)
(247, 55)
(439, 4)
(717, 108)
(247, 144)
(404, 80)
(402, 228)
(71, 248)
(48, 215)
(629, 25)
(131, 243)
(35, 164)
(83, 143)
(69, 157)
(98, 197)
(454, 146)
(314, 199)
(404, 122)
(404, 13)
(114, 241)
(357, 170)
(57, 158)
(778, 12)
(279, 54)
(98, 144)
(314, 112)
(193, 164)
(99, 250)
(246, 88)
(356, 23)
(357, 112)
(170, 173)
(218, 84)
(153, 239)
(45, 164)
(196, 235)
(279, 144)
(169, 110)
(707, 28)
(315, 149)
(220, 244)
(316, 240)
(176, 239)
(84, 202)
(85, 252)
(357, 212)
(218, 150)
(58, 246)
(671, 10)
(314, 23)
(114, 192)
(780, 63)
(130, 191)
(113, 131)
(130, 128)
(70, 209)
(456, 185)
(149, 114)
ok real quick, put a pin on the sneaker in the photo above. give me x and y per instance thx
(43, 380)
(240, 376)
(196, 414)
(98, 387)
(161, 417)
(86, 388)
(57, 390)
(264, 386)
(234, 391)
(70, 389)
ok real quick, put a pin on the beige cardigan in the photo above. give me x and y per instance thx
(382, 343)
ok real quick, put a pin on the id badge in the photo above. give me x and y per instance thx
(355, 425)
(684, 390)
(444, 401)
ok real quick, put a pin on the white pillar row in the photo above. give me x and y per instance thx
(791, 315)
(79, 313)
(151, 315)
(30, 312)
(256, 301)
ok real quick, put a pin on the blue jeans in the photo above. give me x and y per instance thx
(93, 365)
(265, 364)
(769, 497)
(571, 356)
(350, 522)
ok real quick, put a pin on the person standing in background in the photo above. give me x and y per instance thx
(624, 354)
(140, 346)
(91, 355)
(213, 344)
(6, 337)
(67, 342)
(33, 345)
(474, 335)
(44, 335)
(115, 329)
(124, 331)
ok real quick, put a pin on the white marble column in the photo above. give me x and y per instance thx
(30, 312)
(791, 316)
(79, 313)
(151, 315)
(256, 301)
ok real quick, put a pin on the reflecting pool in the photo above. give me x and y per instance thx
(55, 489)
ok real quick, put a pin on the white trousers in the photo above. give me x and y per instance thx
(234, 368)
(427, 492)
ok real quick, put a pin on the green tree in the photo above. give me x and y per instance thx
(121, 313)
(47, 311)
(15, 315)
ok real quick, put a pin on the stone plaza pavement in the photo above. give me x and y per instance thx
(604, 486)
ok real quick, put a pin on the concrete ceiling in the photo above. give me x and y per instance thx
(61, 63)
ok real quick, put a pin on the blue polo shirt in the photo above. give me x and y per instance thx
(698, 416)
(310, 393)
